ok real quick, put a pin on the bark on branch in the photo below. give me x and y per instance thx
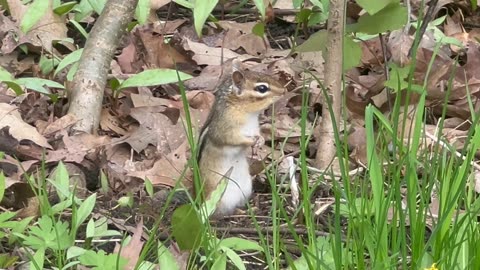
(333, 82)
(86, 93)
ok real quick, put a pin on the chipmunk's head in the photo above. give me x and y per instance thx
(253, 91)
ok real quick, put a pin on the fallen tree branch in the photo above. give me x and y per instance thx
(86, 92)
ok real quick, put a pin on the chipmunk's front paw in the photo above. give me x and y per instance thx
(251, 140)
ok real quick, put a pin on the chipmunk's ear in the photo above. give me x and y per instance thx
(238, 78)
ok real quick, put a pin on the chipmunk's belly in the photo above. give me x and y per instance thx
(251, 127)
(239, 187)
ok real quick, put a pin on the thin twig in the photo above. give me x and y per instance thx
(426, 19)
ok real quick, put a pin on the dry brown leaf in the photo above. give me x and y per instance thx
(76, 147)
(156, 128)
(372, 53)
(453, 25)
(131, 251)
(11, 63)
(31, 208)
(200, 100)
(156, 53)
(204, 55)
(8, 30)
(398, 45)
(167, 170)
(207, 80)
(312, 61)
(127, 59)
(285, 127)
(9, 116)
(168, 27)
(286, 4)
(355, 99)
(456, 123)
(50, 28)
(239, 35)
(119, 163)
(146, 101)
(60, 124)
(356, 140)
(181, 257)
(156, 4)
(110, 122)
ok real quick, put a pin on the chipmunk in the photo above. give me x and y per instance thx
(231, 128)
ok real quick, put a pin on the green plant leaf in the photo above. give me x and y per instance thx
(211, 203)
(72, 71)
(318, 41)
(397, 77)
(71, 58)
(114, 84)
(317, 17)
(373, 7)
(19, 228)
(6, 216)
(70, 265)
(201, 11)
(149, 187)
(184, 3)
(59, 207)
(47, 234)
(37, 84)
(303, 15)
(220, 263)
(99, 228)
(236, 243)
(142, 11)
(82, 10)
(62, 181)
(38, 259)
(90, 232)
(101, 260)
(314, 43)
(297, 3)
(260, 4)
(75, 251)
(392, 17)
(6, 261)
(166, 260)
(64, 8)
(14, 86)
(80, 28)
(47, 64)
(234, 258)
(259, 29)
(352, 53)
(9, 80)
(97, 5)
(126, 201)
(85, 210)
(5, 75)
(103, 182)
(154, 77)
(34, 13)
(186, 227)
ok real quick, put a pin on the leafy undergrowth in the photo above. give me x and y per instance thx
(402, 193)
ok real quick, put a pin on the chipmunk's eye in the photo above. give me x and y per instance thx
(262, 87)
